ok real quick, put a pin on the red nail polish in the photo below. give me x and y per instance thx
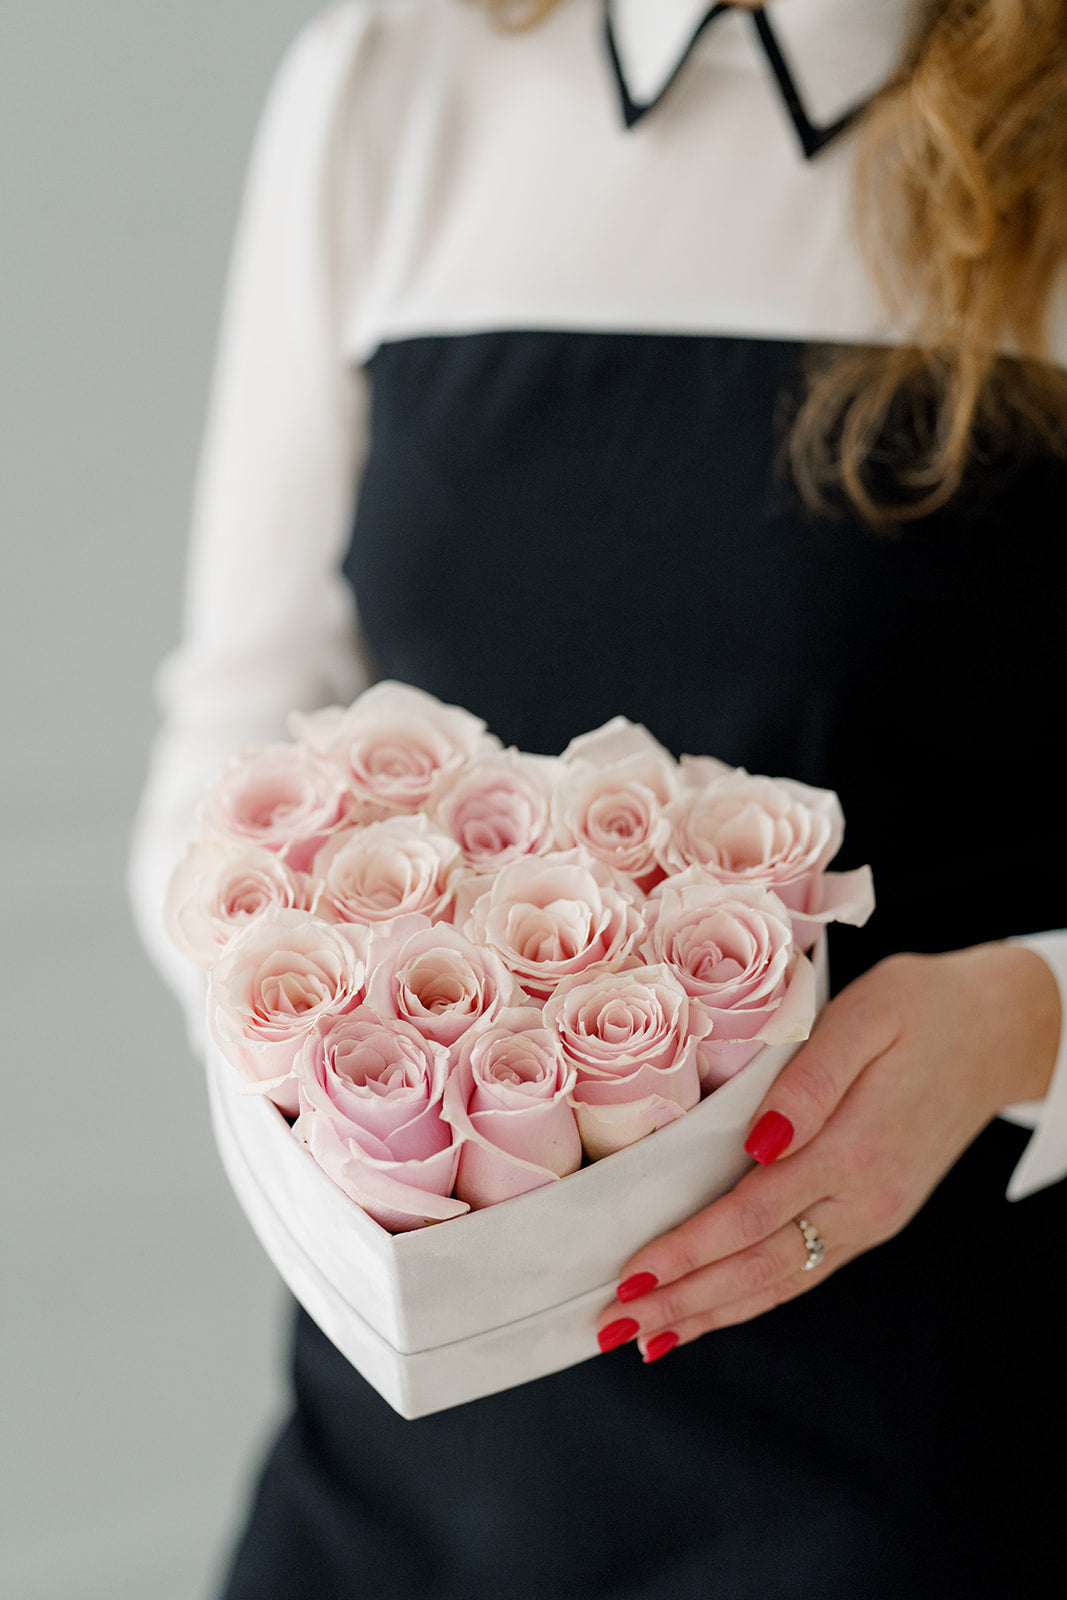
(616, 1333)
(661, 1345)
(633, 1288)
(769, 1137)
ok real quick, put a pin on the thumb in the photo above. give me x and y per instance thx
(851, 1032)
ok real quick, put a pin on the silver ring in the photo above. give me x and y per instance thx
(813, 1243)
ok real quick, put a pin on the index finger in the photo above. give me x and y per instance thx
(853, 1030)
(755, 1208)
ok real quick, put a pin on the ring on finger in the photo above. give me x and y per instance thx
(814, 1243)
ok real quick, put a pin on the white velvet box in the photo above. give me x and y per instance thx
(465, 1308)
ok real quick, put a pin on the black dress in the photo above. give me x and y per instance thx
(558, 527)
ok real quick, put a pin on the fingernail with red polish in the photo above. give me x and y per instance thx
(633, 1288)
(616, 1333)
(661, 1345)
(769, 1137)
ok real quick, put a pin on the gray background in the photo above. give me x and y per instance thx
(142, 1331)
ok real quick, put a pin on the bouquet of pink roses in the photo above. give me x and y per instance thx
(463, 969)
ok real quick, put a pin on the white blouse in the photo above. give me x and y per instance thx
(418, 171)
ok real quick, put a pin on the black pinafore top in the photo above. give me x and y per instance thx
(554, 528)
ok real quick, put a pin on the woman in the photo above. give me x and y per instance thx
(556, 303)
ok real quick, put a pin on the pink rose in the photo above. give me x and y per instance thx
(498, 809)
(393, 741)
(433, 977)
(551, 917)
(610, 794)
(731, 947)
(381, 871)
(632, 1037)
(218, 888)
(272, 984)
(370, 1114)
(281, 797)
(506, 1099)
(774, 832)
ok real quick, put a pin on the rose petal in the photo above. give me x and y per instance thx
(616, 741)
(835, 897)
(608, 1128)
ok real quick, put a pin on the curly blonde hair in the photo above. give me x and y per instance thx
(961, 208)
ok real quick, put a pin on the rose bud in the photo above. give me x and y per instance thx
(393, 741)
(281, 797)
(386, 869)
(776, 833)
(610, 794)
(506, 1099)
(433, 977)
(632, 1037)
(731, 947)
(270, 987)
(551, 917)
(370, 1114)
(497, 809)
(218, 888)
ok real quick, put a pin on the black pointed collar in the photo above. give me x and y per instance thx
(826, 58)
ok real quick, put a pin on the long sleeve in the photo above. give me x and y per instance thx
(1044, 1160)
(269, 624)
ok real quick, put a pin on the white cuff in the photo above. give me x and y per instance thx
(1044, 1160)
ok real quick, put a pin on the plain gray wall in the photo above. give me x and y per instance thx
(142, 1329)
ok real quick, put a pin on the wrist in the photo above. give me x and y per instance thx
(1020, 1003)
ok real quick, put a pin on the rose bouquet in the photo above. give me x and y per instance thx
(449, 975)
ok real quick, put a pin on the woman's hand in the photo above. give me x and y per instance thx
(902, 1071)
